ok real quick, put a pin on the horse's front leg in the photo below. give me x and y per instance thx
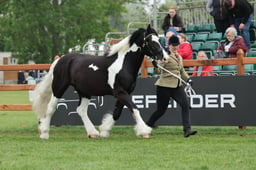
(140, 128)
(109, 120)
(82, 111)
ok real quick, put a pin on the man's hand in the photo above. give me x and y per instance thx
(241, 26)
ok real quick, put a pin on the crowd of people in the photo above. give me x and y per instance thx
(232, 18)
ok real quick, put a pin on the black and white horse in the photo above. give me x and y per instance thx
(112, 74)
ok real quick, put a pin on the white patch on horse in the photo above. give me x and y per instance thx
(116, 66)
(94, 67)
(155, 38)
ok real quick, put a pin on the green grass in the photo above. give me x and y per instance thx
(14, 97)
(68, 147)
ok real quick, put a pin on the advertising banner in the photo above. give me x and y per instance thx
(219, 101)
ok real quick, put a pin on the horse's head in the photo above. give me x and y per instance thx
(152, 45)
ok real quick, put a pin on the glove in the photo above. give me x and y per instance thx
(154, 63)
(190, 82)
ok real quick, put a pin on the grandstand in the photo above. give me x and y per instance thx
(201, 32)
(199, 29)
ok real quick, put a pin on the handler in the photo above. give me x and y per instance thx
(169, 86)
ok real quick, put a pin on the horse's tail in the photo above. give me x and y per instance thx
(43, 93)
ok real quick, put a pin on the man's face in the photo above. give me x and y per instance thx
(172, 12)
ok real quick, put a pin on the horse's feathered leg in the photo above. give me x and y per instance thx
(82, 111)
(109, 120)
(140, 128)
(44, 125)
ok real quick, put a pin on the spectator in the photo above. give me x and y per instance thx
(202, 70)
(169, 86)
(185, 48)
(233, 42)
(241, 12)
(33, 73)
(170, 33)
(21, 78)
(220, 14)
(173, 20)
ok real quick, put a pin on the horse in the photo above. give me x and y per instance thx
(114, 73)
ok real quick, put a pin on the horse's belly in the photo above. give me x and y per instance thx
(96, 90)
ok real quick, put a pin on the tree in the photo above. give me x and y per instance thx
(39, 30)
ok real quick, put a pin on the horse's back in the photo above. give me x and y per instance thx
(86, 73)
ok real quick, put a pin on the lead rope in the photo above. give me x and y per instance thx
(188, 88)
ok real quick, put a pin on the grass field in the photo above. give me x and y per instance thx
(68, 148)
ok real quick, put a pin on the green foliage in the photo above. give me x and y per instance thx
(169, 3)
(39, 30)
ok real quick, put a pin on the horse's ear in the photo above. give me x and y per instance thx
(149, 28)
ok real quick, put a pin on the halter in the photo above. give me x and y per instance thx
(148, 36)
(188, 88)
(146, 43)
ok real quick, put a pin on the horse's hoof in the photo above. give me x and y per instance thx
(104, 134)
(92, 136)
(44, 136)
(144, 136)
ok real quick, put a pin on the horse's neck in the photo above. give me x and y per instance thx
(134, 62)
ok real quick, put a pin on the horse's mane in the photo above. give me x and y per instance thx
(125, 44)
(121, 46)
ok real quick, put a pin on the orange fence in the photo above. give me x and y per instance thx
(19, 87)
(239, 61)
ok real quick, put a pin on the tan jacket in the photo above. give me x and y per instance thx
(175, 66)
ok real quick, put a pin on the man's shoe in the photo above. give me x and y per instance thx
(189, 132)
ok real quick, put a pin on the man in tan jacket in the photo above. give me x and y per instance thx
(169, 86)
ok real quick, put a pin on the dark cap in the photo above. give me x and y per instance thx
(174, 40)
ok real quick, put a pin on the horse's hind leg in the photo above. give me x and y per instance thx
(109, 120)
(44, 125)
(82, 111)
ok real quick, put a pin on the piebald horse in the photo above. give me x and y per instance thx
(113, 74)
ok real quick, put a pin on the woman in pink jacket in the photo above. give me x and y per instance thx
(185, 48)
